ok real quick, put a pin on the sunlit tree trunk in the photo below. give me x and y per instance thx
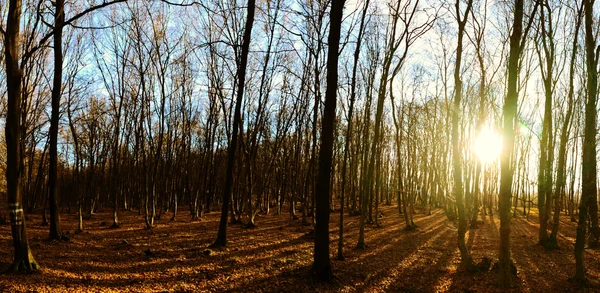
(456, 149)
(477, 194)
(506, 177)
(23, 259)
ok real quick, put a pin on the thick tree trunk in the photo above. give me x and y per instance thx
(588, 171)
(506, 176)
(23, 259)
(55, 228)
(322, 266)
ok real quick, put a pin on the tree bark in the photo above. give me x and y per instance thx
(466, 260)
(546, 143)
(340, 254)
(23, 259)
(561, 178)
(588, 171)
(322, 266)
(59, 19)
(222, 234)
(506, 172)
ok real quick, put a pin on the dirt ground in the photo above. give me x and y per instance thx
(276, 256)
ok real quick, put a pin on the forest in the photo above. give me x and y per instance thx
(299, 146)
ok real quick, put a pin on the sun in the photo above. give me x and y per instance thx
(488, 145)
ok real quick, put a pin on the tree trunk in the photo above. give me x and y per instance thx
(55, 228)
(546, 143)
(322, 266)
(222, 234)
(466, 260)
(23, 259)
(561, 178)
(363, 155)
(588, 171)
(506, 176)
(340, 253)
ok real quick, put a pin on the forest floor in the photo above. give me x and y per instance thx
(276, 256)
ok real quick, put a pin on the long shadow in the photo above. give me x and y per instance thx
(300, 278)
(415, 275)
(405, 251)
(546, 271)
(399, 238)
(137, 261)
(287, 261)
(169, 283)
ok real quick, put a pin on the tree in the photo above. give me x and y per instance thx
(466, 259)
(479, 28)
(322, 266)
(23, 258)
(509, 111)
(404, 29)
(57, 33)
(340, 254)
(588, 171)
(231, 150)
(547, 69)
(59, 19)
(561, 168)
(508, 114)
(114, 75)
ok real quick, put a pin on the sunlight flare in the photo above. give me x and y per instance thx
(488, 145)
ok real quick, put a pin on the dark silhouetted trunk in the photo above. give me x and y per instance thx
(59, 19)
(322, 266)
(561, 178)
(340, 254)
(506, 173)
(222, 234)
(588, 171)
